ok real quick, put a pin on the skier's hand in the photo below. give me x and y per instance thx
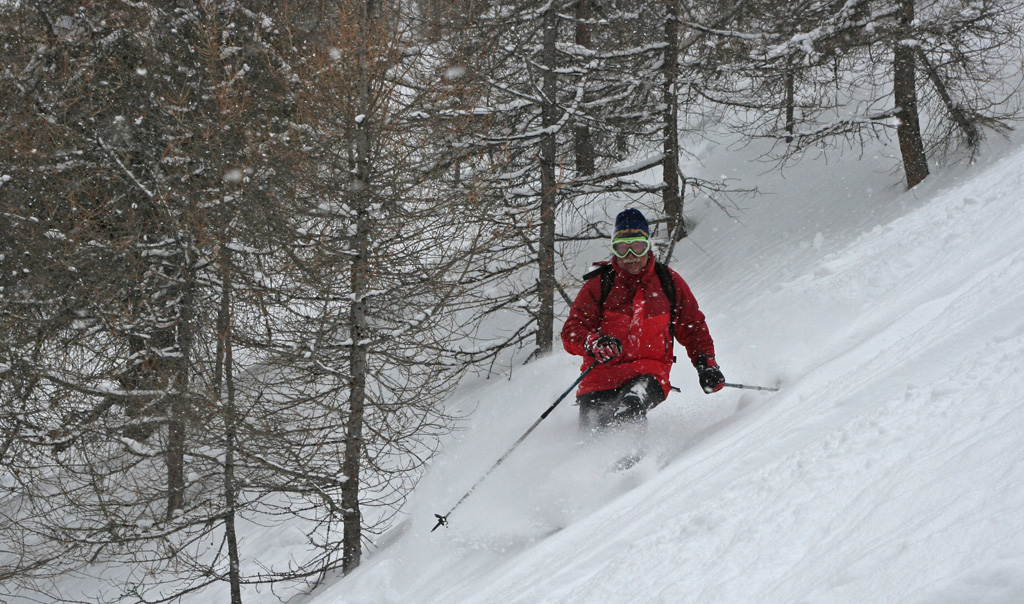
(710, 376)
(604, 348)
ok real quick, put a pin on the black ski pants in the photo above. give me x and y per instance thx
(627, 404)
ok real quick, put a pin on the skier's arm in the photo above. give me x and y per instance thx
(584, 318)
(691, 328)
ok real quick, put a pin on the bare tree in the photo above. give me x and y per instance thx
(143, 223)
(569, 102)
(837, 84)
(387, 240)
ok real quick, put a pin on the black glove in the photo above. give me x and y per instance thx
(710, 376)
(604, 348)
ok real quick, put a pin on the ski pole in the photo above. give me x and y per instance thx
(443, 520)
(746, 387)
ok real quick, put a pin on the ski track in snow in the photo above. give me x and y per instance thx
(887, 469)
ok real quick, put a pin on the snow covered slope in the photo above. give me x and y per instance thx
(888, 469)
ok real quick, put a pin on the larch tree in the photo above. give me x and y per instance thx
(192, 310)
(133, 126)
(567, 112)
(937, 74)
(385, 240)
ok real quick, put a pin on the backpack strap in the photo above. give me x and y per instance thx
(669, 287)
(607, 273)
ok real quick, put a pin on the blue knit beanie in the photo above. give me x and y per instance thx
(631, 223)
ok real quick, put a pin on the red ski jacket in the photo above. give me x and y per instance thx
(636, 312)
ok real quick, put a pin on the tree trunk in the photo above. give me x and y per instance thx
(548, 148)
(351, 515)
(908, 128)
(790, 102)
(224, 391)
(360, 246)
(672, 196)
(179, 410)
(585, 157)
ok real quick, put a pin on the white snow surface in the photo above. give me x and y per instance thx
(889, 467)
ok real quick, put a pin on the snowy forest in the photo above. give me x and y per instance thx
(249, 248)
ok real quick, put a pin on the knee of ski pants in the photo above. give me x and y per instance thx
(647, 389)
(627, 403)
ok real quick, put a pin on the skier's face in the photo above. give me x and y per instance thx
(633, 265)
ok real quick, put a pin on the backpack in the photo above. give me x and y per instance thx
(607, 273)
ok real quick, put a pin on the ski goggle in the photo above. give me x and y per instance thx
(638, 246)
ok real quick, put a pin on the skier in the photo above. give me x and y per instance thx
(626, 317)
